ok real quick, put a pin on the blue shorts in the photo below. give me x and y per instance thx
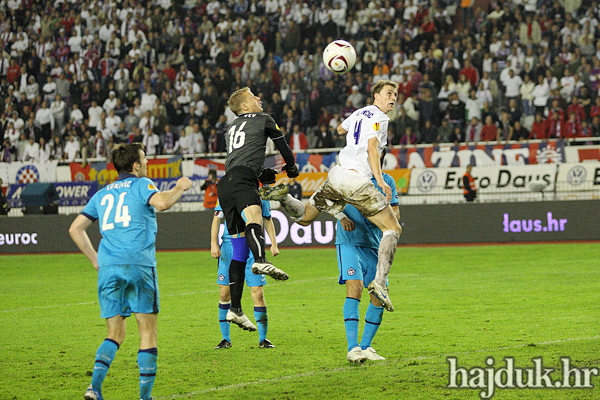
(225, 260)
(356, 262)
(126, 289)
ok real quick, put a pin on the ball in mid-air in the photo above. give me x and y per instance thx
(339, 56)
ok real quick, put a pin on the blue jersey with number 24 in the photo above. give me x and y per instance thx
(127, 221)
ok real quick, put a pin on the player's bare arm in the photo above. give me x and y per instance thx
(374, 162)
(165, 200)
(82, 240)
(215, 250)
(341, 131)
(270, 228)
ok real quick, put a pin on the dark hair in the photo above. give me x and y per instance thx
(124, 155)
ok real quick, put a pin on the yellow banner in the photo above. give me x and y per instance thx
(310, 181)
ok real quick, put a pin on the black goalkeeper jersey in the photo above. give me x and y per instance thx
(246, 141)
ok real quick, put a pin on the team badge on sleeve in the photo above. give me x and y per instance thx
(376, 126)
(152, 187)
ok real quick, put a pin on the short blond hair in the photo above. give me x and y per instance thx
(236, 99)
(380, 84)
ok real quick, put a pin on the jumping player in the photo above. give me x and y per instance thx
(246, 141)
(349, 182)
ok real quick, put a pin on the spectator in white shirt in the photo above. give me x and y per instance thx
(45, 150)
(76, 116)
(512, 84)
(71, 150)
(111, 102)
(45, 119)
(184, 144)
(526, 92)
(113, 122)
(58, 111)
(148, 99)
(151, 141)
(567, 84)
(198, 138)
(31, 152)
(94, 115)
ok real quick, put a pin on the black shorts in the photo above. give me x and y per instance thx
(237, 190)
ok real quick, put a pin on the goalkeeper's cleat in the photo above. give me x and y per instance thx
(274, 193)
(356, 355)
(91, 394)
(269, 270)
(372, 355)
(224, 344)
(240, 320)
(382, 294)
(266, 344)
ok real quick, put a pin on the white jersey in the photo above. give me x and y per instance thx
(365, 123)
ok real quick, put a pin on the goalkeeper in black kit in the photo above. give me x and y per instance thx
(246, 141)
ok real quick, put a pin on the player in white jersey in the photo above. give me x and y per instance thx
(349, 182)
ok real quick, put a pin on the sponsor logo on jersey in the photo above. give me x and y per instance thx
(351, 271)
(376, 126)
(152, 187)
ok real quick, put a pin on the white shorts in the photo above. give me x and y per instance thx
(343, 187)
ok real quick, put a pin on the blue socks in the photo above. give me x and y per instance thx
(147, 365)
(372, 322)
(262, 322)
(223, 324)
(351, 321)
(104, 357)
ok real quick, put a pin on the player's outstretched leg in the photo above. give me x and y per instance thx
(372, 322)
(386, 253)
(279, 193)
(104, 357)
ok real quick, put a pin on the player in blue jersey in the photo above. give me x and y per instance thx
(357, 241)
(256, 282)
(126, 260)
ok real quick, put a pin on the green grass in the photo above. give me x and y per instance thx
(523, 301)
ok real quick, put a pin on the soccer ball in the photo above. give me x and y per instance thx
(339, 56)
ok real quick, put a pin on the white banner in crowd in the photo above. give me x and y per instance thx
(26, 172)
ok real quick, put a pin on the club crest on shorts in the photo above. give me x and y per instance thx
(351, 271)
(221, 277)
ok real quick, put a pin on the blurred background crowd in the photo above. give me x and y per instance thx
(76, 77)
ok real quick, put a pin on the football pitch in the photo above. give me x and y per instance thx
(468, 302)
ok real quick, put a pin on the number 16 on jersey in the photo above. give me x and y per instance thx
(236, 137)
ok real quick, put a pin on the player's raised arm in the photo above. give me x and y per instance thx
(273, 131)
(165, 200)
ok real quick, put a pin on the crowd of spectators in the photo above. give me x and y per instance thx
(76, 76)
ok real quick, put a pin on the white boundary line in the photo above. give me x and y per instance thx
(340, 369)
